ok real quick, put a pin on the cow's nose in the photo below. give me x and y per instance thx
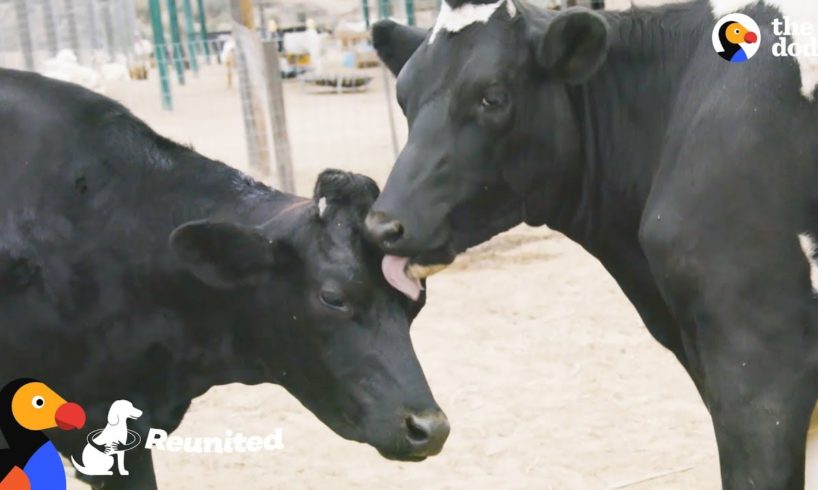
(427, 432)
(382, 229)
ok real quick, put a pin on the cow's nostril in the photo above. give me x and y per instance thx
(427, 432)
(383, 230)
(392, 231)
(417, 429)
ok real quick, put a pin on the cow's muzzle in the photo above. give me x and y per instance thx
(423, 434)
(393, 237)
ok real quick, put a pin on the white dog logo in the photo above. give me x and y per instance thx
(113, 440)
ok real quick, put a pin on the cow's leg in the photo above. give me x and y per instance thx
(741, 292)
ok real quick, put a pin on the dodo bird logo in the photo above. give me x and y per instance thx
(28, 460)
(736, 38)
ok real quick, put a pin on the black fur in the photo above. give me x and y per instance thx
(133, 268)
(688, 178)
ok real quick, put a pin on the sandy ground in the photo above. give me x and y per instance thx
(547, 374)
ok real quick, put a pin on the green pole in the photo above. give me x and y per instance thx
(383, 9)
(161, 53)
(203, 30)
(191, 36)
(365, 4)
(176, 40)
(410, 12)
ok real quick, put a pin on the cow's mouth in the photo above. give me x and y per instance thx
(407, 458)
(405, 274)
(470, 224)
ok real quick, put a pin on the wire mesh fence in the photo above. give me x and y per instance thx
(337, 97)
(96, 32)
(338, 107)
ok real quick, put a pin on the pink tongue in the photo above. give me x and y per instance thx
(394, 270)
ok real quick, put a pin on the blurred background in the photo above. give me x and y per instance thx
(546, 372)
(337, 101)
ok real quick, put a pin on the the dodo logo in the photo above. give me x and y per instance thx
(28, 460)
(736, 38)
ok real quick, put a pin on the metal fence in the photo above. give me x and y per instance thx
(341, 113)
(95, 31)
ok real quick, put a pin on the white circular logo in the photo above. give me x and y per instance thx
(736, 38)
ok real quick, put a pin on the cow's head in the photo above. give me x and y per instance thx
(494, 131)
(321, 320)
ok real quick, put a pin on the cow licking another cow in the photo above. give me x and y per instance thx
(134, 268)
(691, 179)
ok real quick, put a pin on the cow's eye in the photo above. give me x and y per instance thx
(38, 402)
(494, 98)
(333, 299)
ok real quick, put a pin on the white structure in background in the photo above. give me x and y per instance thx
(65, 67)
(228, 46)
(142, 50)
(115, 71)
(309, 42)
(315, 46)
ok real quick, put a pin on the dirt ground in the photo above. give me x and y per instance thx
(546, 372)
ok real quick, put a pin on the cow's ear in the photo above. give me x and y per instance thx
(395, 43)
(573, 45)
(226, 255)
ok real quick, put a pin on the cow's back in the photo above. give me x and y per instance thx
(89, 195)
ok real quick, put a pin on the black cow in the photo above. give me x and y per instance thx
(134, 268)
(693, 180)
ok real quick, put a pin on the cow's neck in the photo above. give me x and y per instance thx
(212, 190)
(623, 113)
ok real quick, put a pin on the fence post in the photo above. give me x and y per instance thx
(50, 27)
(255, 126)
(278, 116)
(176, 40)
(203, 30)
(108, 28)
(24, 33)
(130, 12)
(160, 49)
(365, 6)
(262, 21)
(410, 12)
(191, 36)
(119, 18)
(383, 9)
(73, 34)
(387, 90)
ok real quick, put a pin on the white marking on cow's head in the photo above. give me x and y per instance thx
(808, 246)
(455, 20)
(800, 11)
(322, 207)
(511, 8)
